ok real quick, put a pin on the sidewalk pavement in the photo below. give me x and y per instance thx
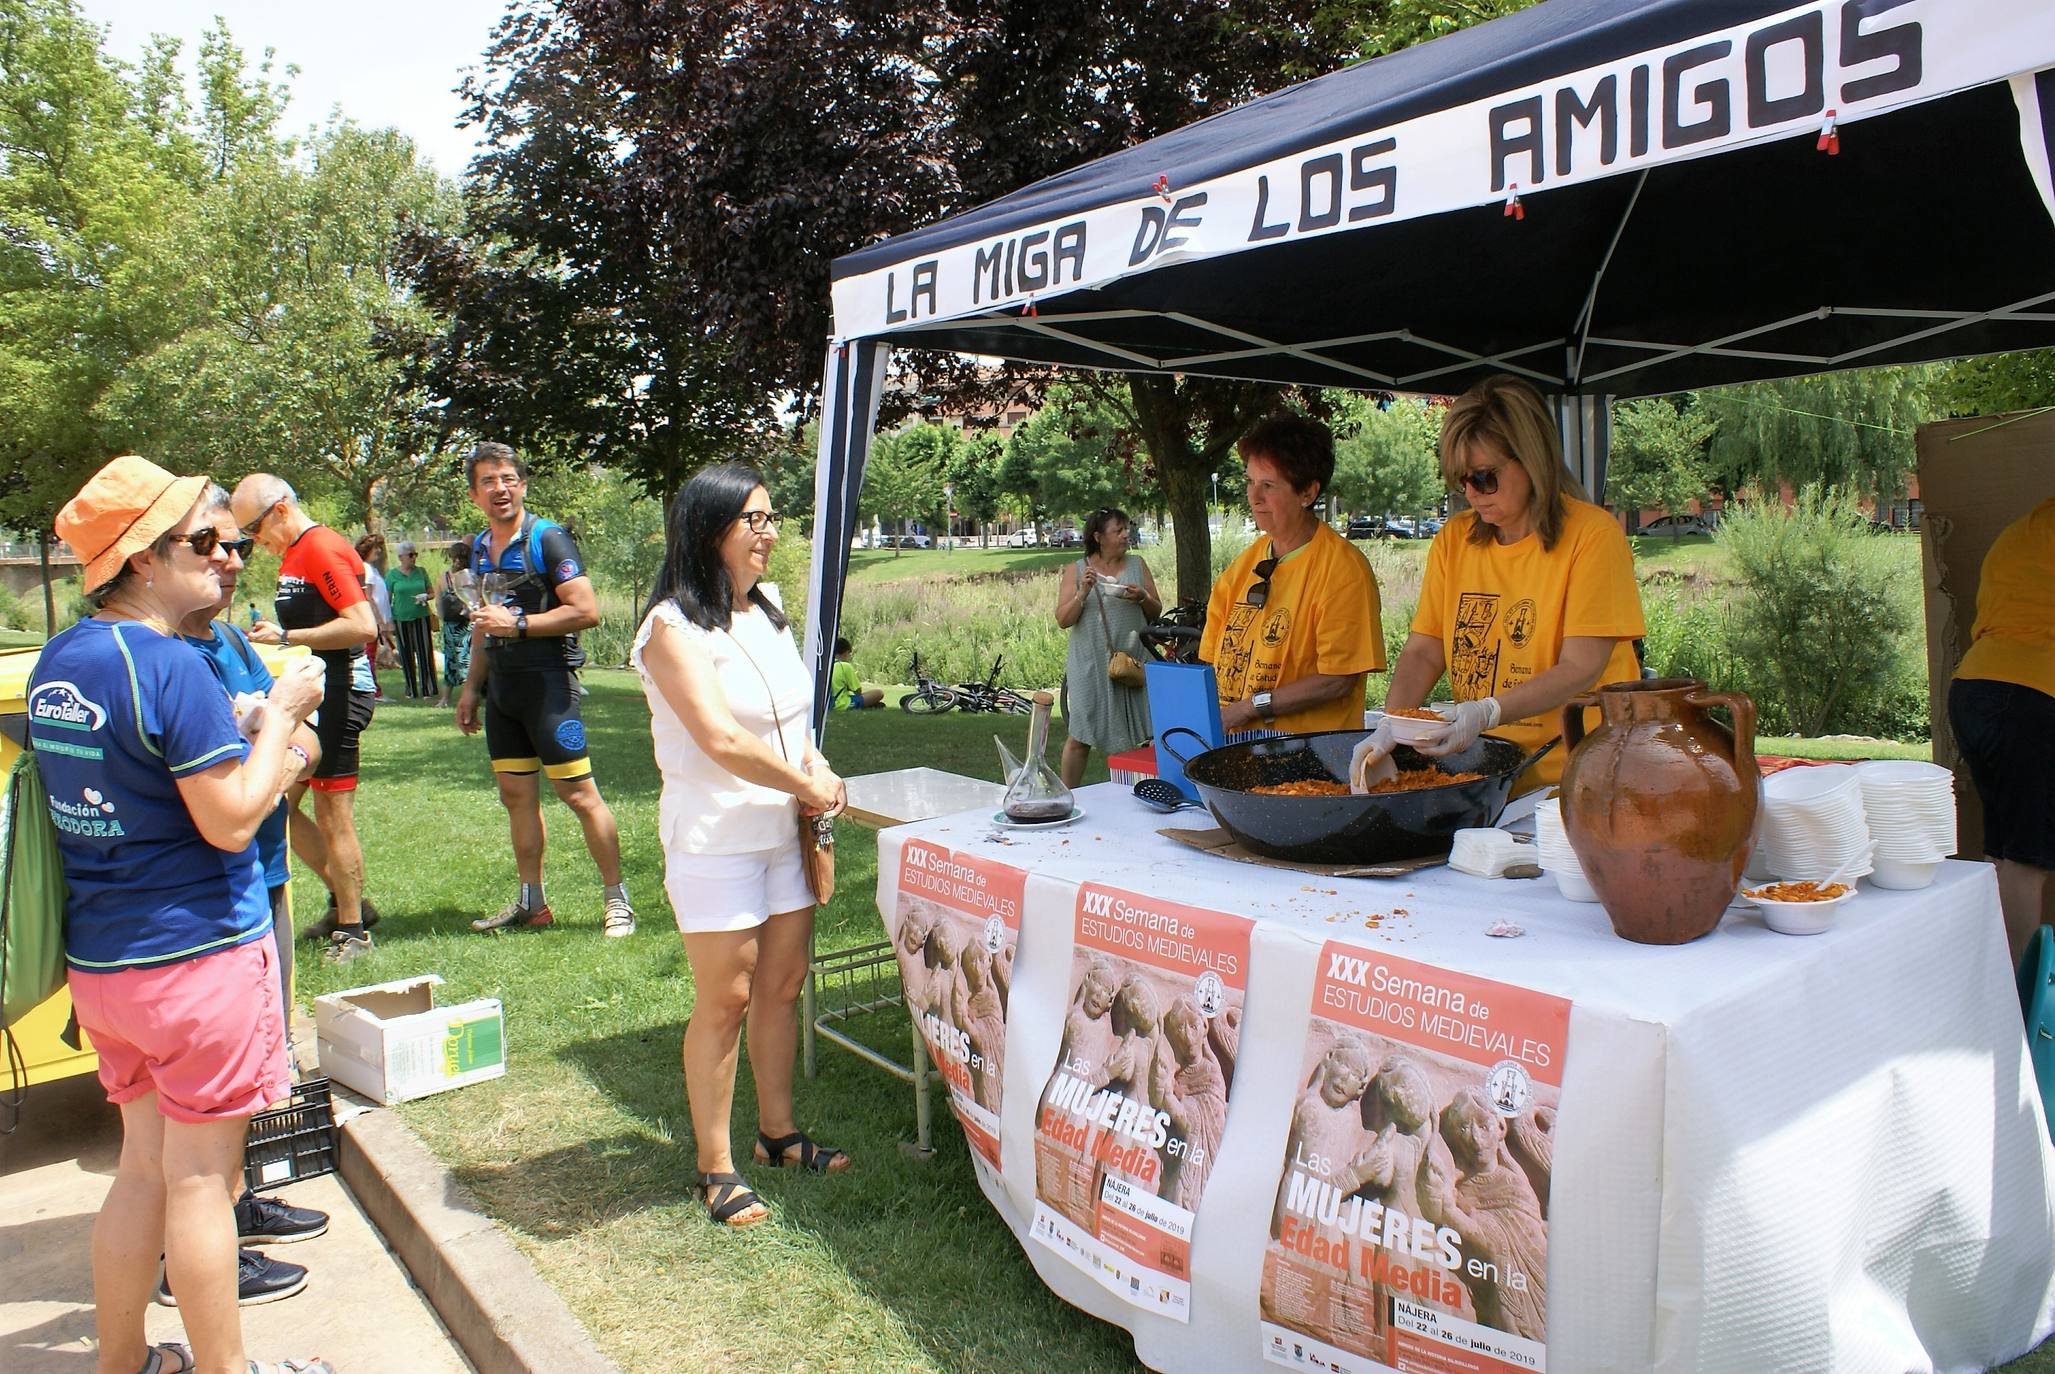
(54, 1172)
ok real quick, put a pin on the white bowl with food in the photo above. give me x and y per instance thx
(1800, 908)
(1414, 726)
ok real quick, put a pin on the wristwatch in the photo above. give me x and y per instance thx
(520, 623)
(1261, 701)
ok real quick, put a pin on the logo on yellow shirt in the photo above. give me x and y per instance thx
(1520, 624)
(1473, 667)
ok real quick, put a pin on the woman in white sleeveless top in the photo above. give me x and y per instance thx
(728, 712)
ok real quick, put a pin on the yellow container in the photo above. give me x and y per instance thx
(39, 1035)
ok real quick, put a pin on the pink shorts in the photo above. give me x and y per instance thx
(206, 1035)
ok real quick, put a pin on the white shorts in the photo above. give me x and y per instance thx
(715, 892)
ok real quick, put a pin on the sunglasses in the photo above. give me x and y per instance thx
(757, 520)
(205, 542)
(1483, 481)
(1260, 593)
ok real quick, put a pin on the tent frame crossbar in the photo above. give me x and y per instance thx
(1945, 321)
(1572, 348)
(1582, 329)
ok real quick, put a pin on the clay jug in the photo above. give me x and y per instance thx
(1659, 803)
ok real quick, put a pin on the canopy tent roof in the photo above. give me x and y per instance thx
(1609, 197)
(1677, 225)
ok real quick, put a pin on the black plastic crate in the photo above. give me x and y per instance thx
(292, 1142)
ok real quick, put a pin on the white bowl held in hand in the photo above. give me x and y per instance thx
(1411, 729)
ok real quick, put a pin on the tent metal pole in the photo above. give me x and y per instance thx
(1583, 326)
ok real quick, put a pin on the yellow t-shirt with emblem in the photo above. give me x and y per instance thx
(2013, 639)
(1502, 612)
(1320, 616)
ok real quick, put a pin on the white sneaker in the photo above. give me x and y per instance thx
(619, 920)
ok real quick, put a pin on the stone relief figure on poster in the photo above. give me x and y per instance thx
(983, 1013)
(1193, 1089)
(916, 920)
(1327, 1122)
(1398, 1113)
(1088, 1039)
(1471, 1183)
(1531, 1138)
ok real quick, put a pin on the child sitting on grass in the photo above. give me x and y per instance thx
(846, 691)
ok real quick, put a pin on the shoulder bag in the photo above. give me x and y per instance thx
(1121, 666)
(816, 833)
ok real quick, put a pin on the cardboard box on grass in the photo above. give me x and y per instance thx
(390, 1042)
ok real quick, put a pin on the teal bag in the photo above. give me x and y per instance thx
(31, 896)
(2036, 984)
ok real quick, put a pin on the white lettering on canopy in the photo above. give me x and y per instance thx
(1767, 79)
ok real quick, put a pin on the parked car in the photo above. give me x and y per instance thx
(1066, 537)
(905, 541)
(1023, 538)
(1428, 527)
(1676, 526)
(1364, 527)
(1399, 527)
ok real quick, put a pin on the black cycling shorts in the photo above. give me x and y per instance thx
(532, 723)
(344, 715)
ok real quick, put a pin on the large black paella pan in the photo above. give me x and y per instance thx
(1379, 828)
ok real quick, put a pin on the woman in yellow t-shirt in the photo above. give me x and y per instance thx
(2002, 709)
(1292, 630)
(1529, 596)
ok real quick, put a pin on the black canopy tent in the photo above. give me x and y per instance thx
(1609, 197)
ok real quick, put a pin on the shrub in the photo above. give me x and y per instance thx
(1819, 626)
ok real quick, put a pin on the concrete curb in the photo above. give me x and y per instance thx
(503, 1316)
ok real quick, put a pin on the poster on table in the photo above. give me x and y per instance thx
(1410, 1230)
(1131, 1119)
(959, 923)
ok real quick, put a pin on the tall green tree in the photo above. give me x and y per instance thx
(2001, 382)
(88, 195)
(1839, 429)
(1659, 456)
(294, 281)
(974, 473)
(1389, 463)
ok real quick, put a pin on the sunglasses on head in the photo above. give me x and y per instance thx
(1260, 593)
(1483, 481)
(758, 519)
(205, 542)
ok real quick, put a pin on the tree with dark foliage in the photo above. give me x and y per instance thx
(668, 181)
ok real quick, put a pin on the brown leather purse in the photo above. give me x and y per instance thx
(1121, 666)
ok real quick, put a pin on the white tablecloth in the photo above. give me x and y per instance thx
(1772, 1153)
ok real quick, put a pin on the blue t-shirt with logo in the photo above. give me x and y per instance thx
(117, 713)
(235, 662)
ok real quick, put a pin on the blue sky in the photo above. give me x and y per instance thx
(383, 62)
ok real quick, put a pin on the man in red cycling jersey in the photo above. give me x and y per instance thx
(322, 605)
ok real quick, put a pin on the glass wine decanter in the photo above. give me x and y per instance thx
(1034, 790)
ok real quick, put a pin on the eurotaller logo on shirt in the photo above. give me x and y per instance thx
(64, 706)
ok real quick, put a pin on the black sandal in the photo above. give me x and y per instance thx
(821, 1159)
(735, 1196)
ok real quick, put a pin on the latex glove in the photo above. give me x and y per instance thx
(1371, 763)
(1466, 721)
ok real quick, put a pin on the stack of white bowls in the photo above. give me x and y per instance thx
(1815, 823)
(1558, 860)
(1911, 810)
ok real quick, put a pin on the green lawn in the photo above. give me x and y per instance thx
(583, 1152)
(894, 565)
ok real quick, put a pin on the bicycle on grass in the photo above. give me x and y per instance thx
(928, 697)
(990, 696)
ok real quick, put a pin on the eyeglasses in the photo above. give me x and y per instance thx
(205, 542)
(1483, 481)
(758, 519)
(1260, 593)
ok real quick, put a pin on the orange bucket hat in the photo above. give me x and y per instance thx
(122, 510)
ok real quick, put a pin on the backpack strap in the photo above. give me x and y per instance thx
(242, 646)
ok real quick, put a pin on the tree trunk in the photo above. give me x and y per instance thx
(1184, 489)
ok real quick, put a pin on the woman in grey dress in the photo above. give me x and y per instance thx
(1101, 714)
